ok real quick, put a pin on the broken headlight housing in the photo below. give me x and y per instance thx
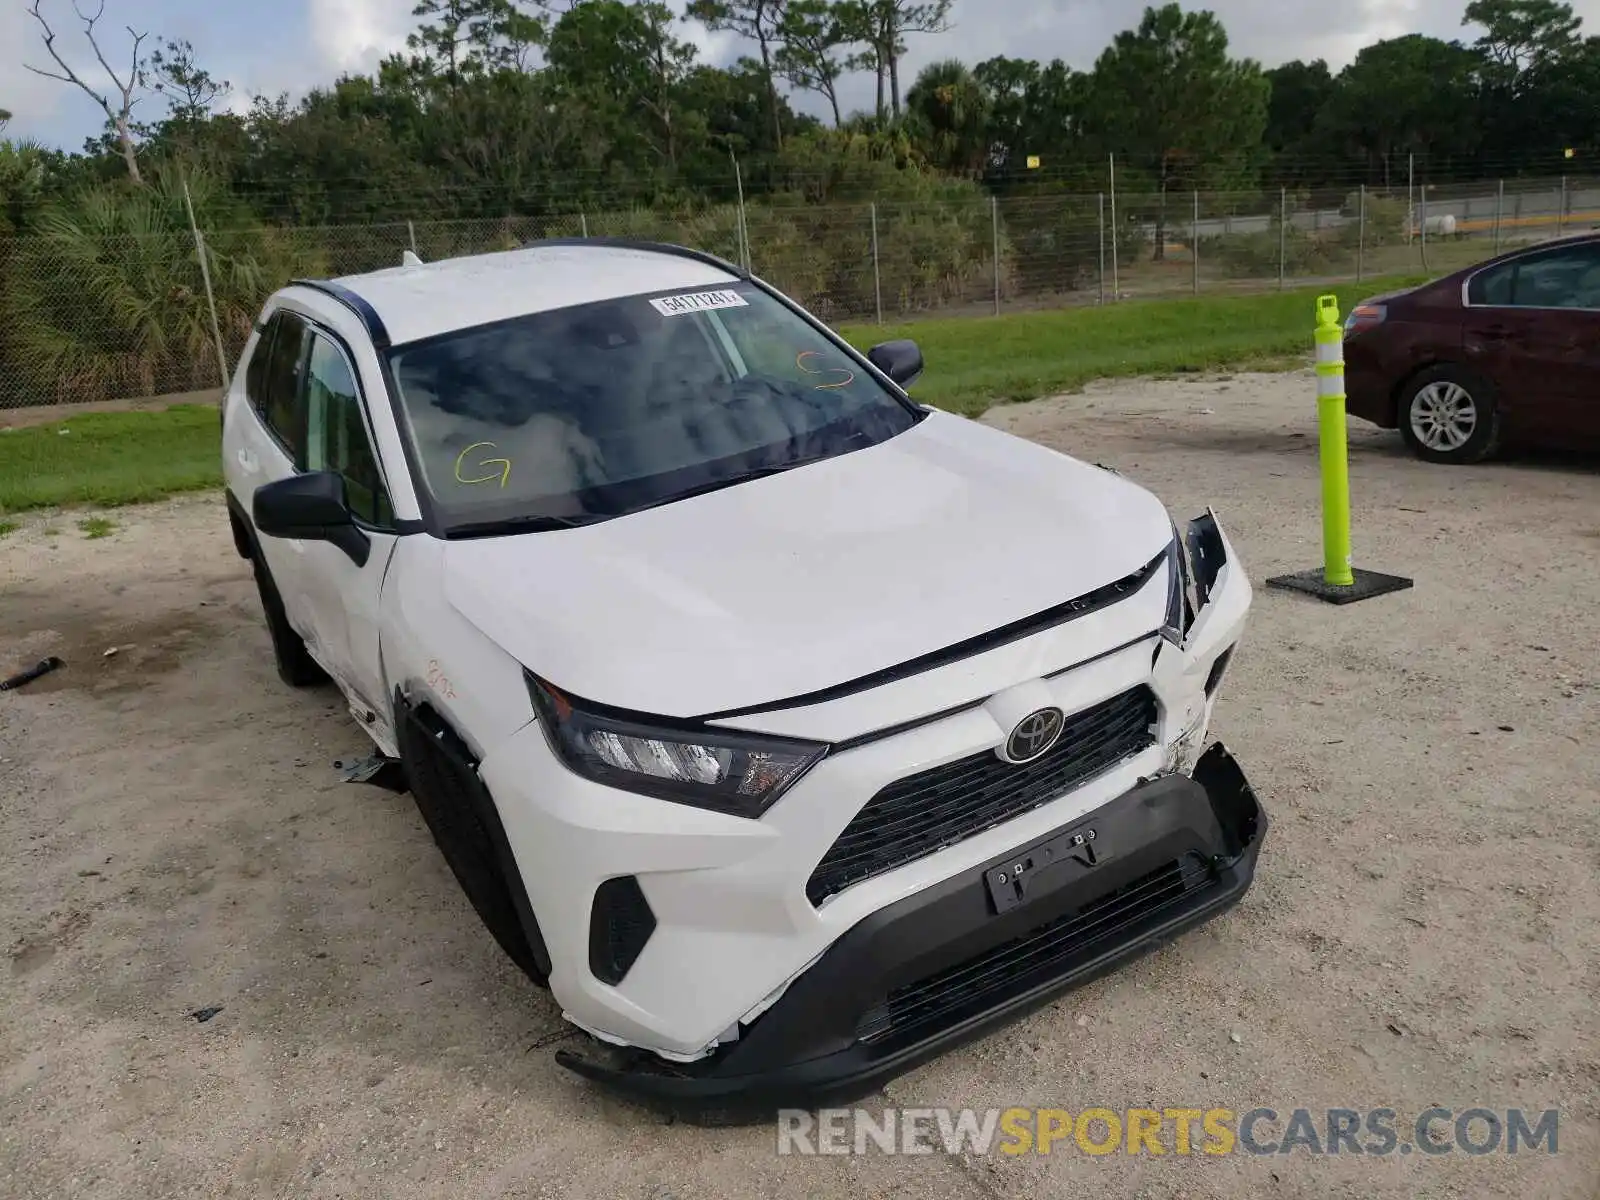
(1194, 560)
(740, 774)
(1175, 625)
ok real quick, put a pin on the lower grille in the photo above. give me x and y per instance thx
(925, 812)
(1008, 970)
(620, 923)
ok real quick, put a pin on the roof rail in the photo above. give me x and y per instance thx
(621, 243)
(368, 315)
(379, 334)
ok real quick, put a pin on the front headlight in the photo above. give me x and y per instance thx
(736, 773)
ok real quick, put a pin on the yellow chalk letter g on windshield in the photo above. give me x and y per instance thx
(502, 474)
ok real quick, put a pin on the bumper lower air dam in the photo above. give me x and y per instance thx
(952, 962)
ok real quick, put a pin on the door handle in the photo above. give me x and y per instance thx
(247, 460)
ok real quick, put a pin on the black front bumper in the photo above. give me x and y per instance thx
(957, 959)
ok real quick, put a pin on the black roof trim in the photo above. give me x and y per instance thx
(369, 315)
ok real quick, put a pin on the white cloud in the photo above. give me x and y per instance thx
(355, 35)
(345, 36)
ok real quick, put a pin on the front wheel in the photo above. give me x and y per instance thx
(1449, 415)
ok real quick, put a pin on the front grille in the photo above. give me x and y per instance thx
(1047, 952)
(925, 812)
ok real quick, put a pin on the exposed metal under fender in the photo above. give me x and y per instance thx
(378, 769)
(1206, 555)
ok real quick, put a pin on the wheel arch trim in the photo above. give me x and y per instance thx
(442, 735)
(240, 525)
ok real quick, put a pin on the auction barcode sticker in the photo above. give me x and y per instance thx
(676, 306)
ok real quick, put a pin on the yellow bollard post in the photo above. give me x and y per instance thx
(1332, 446)
(1338, 582)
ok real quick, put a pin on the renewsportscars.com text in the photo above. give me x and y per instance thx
(1156, 1131)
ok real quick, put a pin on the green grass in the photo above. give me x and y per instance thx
(124, 458)
(110, 458)
(974, 362)
(96, 527)
(7, 527)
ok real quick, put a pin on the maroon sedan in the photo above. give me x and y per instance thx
(1505, 351)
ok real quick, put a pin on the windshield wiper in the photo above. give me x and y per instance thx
(527, 524)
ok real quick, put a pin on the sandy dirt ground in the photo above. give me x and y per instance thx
(1424, 930)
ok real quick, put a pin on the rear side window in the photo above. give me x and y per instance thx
(1564, 278)
(255, 374)
(1492, 286)
(276, 393)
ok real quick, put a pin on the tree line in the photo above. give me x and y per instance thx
(502, 107)
(508, 120)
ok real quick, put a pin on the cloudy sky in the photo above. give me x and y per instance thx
(272, 46)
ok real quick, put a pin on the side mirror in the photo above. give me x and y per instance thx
(900, 360)
(310, 508)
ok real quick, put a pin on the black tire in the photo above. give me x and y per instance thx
(295, 665)
(1442, 403)
(459, 813)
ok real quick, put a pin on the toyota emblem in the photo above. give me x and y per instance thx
(1034, 734)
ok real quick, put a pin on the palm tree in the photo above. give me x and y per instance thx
(21, 180)
(949, 114)
(106, 297)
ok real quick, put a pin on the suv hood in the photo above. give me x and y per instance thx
(797, 582)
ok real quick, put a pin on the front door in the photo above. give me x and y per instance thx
(271, 446)
(341, 594)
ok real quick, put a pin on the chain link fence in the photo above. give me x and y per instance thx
(90, 316)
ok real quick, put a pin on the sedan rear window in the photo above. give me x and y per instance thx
(1568, 277)
(593, 411)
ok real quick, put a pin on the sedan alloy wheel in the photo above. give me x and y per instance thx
(1444, 416)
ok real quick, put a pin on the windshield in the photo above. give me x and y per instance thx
(583, 413)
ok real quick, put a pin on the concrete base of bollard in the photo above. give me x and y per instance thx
(1367, 585)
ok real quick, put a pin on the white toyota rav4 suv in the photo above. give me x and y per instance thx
(792, 731)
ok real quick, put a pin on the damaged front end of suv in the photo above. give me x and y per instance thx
(1123, 833)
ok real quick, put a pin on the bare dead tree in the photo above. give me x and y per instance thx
(121, 114)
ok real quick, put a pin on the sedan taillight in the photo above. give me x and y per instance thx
(1363, 317)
